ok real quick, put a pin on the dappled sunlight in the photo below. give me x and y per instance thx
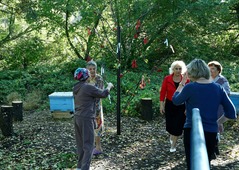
(141, 145)
(235, 151)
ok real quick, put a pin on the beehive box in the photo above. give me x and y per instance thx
(62, 104)
(234, 96)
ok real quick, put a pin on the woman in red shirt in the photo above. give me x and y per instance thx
(175, 115)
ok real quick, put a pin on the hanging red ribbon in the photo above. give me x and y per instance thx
(121, 75)
(142, 83)
(89, 32)
(134, 64)
(137, 26)
(136, 35)
(88, 58)
(146, 40)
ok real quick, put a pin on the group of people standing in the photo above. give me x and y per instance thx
(197, 85)
(208, 91)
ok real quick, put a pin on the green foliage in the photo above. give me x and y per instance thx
(32, 100)
(25, 53)
(14, 96)
(35, 85)
(46, 79)
(131, 94)
(193, 29)
(231, 72)
(11, 81)
(64, 160)
(48, 40)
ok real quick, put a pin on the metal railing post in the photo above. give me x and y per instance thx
(199, 157)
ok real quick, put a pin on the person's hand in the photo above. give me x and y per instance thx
(110, 85)
(220, 128)
(162, 111)
(185, 78)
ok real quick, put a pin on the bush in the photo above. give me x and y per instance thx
(46, 79)
(14, 96)
(32, 101)
(11, 81)
(131, 94)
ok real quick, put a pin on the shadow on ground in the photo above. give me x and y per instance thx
(41, 142)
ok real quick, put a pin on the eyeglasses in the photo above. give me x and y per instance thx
(179, 68)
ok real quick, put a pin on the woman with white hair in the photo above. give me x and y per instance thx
(175, 115)
(207, 96)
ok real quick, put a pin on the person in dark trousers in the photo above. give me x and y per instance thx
(217, 77)
(175, 115)
(84, 118)
(205, 95)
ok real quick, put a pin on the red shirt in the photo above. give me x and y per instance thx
(168, 88)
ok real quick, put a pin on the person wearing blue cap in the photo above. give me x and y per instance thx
(84, 118)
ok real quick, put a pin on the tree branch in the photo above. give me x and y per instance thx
(92, 35)
(68, 35)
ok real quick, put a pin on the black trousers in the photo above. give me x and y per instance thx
(210, 139)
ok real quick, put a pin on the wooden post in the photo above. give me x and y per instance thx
(17, 110)
(6, 120)
(147, 110)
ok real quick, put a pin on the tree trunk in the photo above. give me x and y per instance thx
(6, 120)
(17, 110)
(147, 111)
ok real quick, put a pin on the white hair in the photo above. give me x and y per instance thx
(180, 63)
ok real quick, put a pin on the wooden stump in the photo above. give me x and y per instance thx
(17, 110)
(6, 120)
(146, 109)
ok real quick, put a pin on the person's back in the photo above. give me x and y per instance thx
(85, 96)
(207, 98)
(84, 118)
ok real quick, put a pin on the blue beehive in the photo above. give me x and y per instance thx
(62, 101)
(234, 96)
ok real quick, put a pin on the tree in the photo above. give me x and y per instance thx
(152, 32)
(15, 15)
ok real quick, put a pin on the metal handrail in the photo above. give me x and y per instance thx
(199, 156)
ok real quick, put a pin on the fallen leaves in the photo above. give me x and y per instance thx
(40, 142)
